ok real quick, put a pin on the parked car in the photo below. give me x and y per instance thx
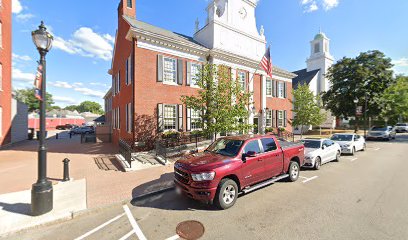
(237, 164)
(82, 130)
(64, 127)
(320, 151)
(349, 142)
(381, 133)
(401, 127)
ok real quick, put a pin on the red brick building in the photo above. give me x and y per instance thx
(5, 72)
(153, 67)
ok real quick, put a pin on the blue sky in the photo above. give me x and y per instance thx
(84, 34)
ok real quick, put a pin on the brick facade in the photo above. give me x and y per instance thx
(147, 93)
(5, 73)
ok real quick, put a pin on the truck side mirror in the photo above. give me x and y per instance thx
(243, 157)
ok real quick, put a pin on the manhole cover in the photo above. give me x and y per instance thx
(190, 230)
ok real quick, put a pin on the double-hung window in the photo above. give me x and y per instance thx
(129, 70)
(281, 90)
(195, 119)
(129, 117)
(269, 118)
(269, 87)
(117, 82)
(280, 119)
(169, 70)
(169, 117)
(195, 70)
(242, 79)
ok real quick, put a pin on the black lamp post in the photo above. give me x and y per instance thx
(365, 114)
(41, 192)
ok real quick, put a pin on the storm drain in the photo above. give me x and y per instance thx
(190, 230)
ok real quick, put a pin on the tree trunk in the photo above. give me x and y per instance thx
(301, 131)
(356, 124)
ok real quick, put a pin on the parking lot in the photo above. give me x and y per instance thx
(361, 197)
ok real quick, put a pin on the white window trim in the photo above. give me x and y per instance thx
(191, 120)
(175, 71)
(283, 90)
(280, 112)
(245, 79)
(266, 88)
(271, 118)
(193, 75)
(175, 117)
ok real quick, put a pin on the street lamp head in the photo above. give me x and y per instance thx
(356, 100)
(42, 39)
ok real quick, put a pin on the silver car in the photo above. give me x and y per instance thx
(349, 142)
(381, 133)
(401, 127)
(320, 151)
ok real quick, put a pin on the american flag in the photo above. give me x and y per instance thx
(266, 62)
(38, 82)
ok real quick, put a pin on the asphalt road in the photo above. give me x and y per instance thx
(361, 197)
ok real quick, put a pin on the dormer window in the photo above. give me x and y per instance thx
(316, 48)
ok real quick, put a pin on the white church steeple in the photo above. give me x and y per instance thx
(320, 59)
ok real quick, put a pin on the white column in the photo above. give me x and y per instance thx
(263, 105)
(251, 105)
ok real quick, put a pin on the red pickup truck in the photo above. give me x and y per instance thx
(232, 165)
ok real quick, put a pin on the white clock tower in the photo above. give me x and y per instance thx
(231, 27)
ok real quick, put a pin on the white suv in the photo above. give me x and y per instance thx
(401, 127)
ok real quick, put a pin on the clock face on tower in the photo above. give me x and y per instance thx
(243, 13)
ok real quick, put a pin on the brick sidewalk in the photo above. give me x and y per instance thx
(106, 183)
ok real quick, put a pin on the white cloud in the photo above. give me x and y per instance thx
(401, 66)
(311, 7)
(90, 92)
(402, 62)
(16, 6)
(99, 84)
(314, 5)
(21, 57)
(66, 100)
(19, 75)
(87, 43)
(61, 84)
(329, 4)
(23, 17)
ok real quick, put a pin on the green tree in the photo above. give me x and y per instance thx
(71, 108)
(89, 106)
(27, 96)
(306, 109)
(221, 101)
(366, 76)
(394, 101)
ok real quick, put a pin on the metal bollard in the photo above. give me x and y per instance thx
(56, 136)
(66, 170)
(70, 134)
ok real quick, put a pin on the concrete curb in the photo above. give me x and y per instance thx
(150, 194)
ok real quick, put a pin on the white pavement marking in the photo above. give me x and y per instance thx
(175, 237)
(303, 177)
(100, 227)
(310, 179)
(354, 159)
(133, 222)
(376, 149)
(127, 235)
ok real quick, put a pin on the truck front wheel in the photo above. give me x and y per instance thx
(293, 171)
(227, 194)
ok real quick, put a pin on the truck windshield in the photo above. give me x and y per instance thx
(226, 147)
(342, 137)
(311, 144)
